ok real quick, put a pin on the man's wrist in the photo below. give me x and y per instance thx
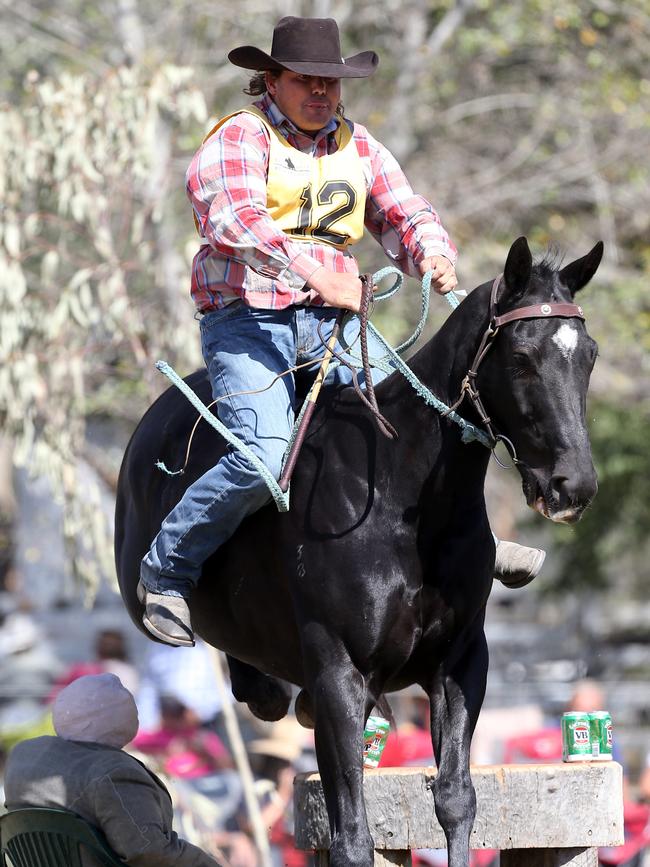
(438, 262)
(438, 253)
(317, 278)
(303, 267)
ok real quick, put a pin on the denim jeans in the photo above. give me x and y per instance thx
(244, 348)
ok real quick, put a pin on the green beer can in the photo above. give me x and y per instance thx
(375, 736)
(576, 737)
(600, 723)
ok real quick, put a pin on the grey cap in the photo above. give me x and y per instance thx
(96, 708)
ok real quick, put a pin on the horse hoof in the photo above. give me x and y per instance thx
(304, 712)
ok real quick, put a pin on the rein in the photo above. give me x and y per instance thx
(369, 398)
(468, 386)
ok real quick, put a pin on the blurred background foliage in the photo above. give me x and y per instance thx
(513, 116)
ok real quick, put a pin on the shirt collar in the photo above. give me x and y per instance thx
(282, 122)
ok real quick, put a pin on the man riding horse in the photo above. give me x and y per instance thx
(280, 191)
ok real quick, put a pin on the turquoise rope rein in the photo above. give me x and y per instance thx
(391, 361)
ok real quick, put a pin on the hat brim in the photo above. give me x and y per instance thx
(358, 66)
(275, 749)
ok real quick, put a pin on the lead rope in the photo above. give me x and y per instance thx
(389, 362)
(469, 432)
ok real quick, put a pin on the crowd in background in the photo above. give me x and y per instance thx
(182, 736)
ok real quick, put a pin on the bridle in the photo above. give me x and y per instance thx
(468, 386)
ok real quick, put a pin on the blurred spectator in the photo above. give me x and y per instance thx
(644, 781)
(180, 730)
(497, 727)
(184, 673)
(410, 743)
(28, 665)
(84, 768)
(545, 744)
(182, 748)
(18, 631)
(184, 751)
(587, 696)
(275, 761)
(111, 655)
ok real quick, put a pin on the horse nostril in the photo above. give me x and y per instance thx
(560, 485)
(573, 489)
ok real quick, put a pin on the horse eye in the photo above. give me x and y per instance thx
(521, 359)
(522, 364)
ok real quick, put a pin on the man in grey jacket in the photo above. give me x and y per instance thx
(85, 770)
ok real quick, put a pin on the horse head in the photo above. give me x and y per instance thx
(535, 379)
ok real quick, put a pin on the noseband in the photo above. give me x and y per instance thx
(468, 386)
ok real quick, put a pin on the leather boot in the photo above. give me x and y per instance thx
(166, 617)
(516, 565)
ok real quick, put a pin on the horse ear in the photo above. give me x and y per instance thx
(519, 265)
(576, 275)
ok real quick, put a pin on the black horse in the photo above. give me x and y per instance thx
(378, 576)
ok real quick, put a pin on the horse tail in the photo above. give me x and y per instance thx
(385, 710)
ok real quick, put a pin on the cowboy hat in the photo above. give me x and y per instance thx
(285, 739)
(310, 46)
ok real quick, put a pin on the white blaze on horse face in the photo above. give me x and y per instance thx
(566, 339)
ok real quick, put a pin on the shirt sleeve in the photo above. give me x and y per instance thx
(129, 815)
(405, 224)
(226, 184)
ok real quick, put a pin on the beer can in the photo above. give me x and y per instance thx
(375, 736)
(576, 737)
(601, 735)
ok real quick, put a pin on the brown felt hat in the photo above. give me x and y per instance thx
(310, 46)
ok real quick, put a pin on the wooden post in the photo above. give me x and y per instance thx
(549, 858)
(554, 815)
(383, 858)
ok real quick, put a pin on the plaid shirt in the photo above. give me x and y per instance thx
(244, 254)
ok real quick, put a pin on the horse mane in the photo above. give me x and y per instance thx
(550, 263)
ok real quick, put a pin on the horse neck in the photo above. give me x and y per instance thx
(442, 363)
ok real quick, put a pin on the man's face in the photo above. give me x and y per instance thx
(309, 101)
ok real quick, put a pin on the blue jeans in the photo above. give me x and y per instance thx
(243, 348)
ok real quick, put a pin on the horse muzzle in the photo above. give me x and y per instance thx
(562, 497)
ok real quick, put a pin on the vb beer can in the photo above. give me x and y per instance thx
(375, 736)
(601, 735)
(576, 737)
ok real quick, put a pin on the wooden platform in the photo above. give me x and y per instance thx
(558, 813)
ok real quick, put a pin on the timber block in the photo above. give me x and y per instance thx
(566, 806)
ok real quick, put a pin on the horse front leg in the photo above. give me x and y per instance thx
(456, 696)
(339, 696)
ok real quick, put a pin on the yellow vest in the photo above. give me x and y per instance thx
(313, 199)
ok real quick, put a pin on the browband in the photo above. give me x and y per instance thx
(533, 311)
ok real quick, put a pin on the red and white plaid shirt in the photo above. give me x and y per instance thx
(244, 254)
